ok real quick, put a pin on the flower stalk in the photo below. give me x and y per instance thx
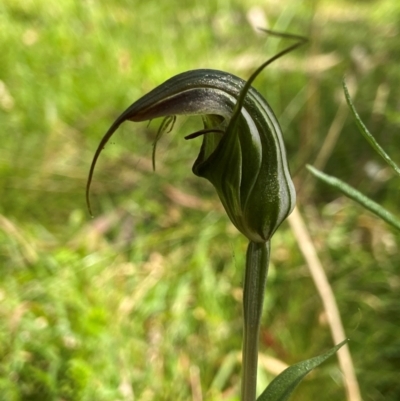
(257, 261)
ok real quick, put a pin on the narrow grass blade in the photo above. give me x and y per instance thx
(367, 135)
(357, 196)
(283, 385)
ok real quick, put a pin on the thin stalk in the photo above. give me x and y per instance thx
(257, 260)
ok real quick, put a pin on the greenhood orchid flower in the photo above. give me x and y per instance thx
(242, 153)
(243, 156)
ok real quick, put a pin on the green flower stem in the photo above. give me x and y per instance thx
(257, 260)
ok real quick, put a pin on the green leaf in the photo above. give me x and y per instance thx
(367, 135)
(357, 196)
(283, 385)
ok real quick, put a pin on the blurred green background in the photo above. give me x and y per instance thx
(143, 302)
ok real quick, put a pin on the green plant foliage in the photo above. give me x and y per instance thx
(357, 196)
(281, 388)
(367, 135)
(348, 190)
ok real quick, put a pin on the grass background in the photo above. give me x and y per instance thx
(143, 302)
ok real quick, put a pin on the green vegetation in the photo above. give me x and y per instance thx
(143, 302)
